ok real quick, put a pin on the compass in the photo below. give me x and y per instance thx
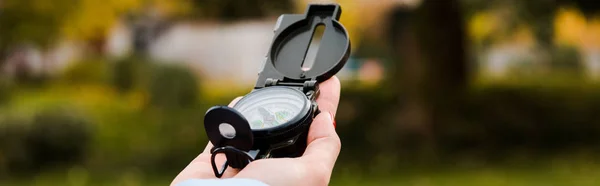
(272, 121)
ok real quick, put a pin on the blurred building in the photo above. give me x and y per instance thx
(221, 51)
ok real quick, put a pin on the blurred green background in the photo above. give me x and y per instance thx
(454, 92)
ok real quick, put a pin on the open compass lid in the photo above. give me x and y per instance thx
(295, 57)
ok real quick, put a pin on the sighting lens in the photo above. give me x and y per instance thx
(271, 107)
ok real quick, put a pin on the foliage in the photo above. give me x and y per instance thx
(36, 22)
(41, 23)
(90, 71)
(133, 119)
(567, 59)
(151, 125)
(589, 7)
(173, 87)
(563, 171)
(13, 146)
(538, 14)
(50, 139)
(233, 10)
(5, 89)
(83, 24)
(130, 73)
(492, 122)
(557, 172)
(58, 136)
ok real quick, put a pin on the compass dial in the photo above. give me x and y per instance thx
(271, 107)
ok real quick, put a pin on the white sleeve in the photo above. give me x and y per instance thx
(221, 182)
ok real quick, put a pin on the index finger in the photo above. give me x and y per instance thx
(329, 95)
(323, 143)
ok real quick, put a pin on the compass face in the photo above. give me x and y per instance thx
(271, 107)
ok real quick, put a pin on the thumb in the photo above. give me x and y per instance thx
(323, 142)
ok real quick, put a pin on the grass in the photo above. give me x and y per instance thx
(551, 173)
(105, 105)
(480, 178)
(563, 171)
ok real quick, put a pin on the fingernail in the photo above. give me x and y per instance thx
(332, 119)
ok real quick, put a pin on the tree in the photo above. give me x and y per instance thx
(85, 23)
(588, 7)
(539, 15)
(233, 9)
(33, 22)
(430, 70)
(30, 24)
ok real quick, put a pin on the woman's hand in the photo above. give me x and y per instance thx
(314, 167)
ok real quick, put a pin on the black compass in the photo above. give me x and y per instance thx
(273, 120)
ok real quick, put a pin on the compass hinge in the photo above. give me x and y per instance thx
(310, 85)
(271, 82)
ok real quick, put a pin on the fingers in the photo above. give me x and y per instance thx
(323, 142)
(196, 169)
(201, 167)
(329, 95)
(235, 101)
